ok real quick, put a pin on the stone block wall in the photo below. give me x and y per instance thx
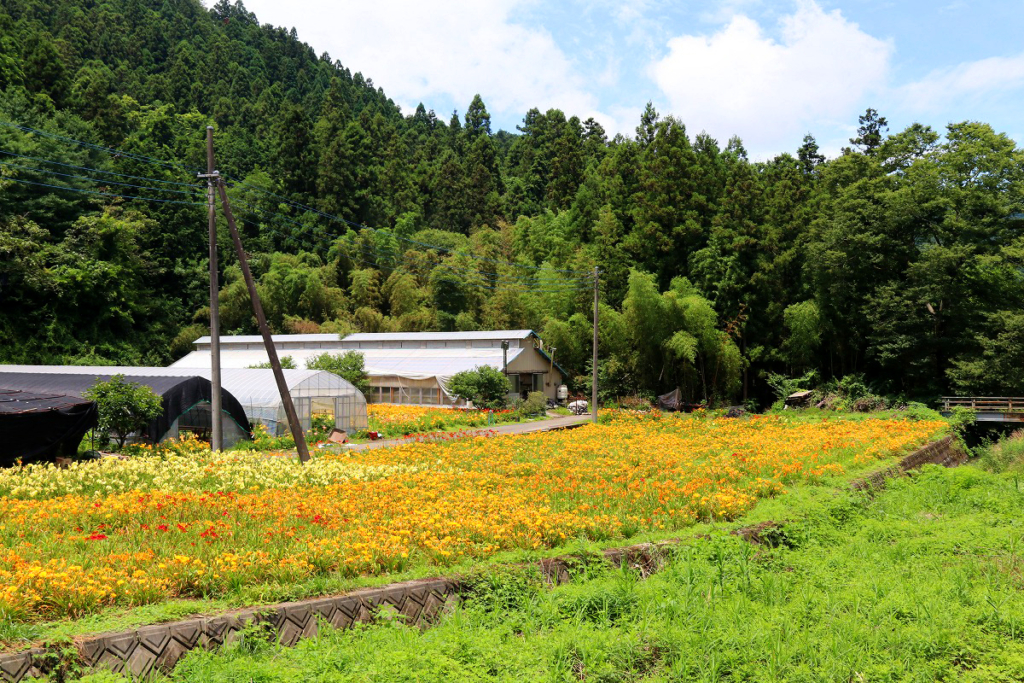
(946, 452)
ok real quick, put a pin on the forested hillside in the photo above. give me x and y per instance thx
(900, 260)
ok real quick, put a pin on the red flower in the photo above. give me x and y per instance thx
(96, 537)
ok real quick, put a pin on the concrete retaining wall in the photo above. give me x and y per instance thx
(946, 452)
(150, 648)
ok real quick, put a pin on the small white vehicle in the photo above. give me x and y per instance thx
(579, 407)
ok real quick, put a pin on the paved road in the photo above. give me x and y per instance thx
(566, 422)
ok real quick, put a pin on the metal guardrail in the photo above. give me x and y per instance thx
(985, 404)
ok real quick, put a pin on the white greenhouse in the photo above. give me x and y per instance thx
(312, 392)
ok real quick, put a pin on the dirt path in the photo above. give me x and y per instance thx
(567, 422)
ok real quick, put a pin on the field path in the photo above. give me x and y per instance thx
(565, 422)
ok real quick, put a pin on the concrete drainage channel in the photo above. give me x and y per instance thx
(158, 648)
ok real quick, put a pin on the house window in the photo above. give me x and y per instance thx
(515, 384)
(538, 381)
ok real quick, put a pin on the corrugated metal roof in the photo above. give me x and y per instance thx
(243, 358)
(428, 363)
(491, 335)
(408, 363)
(277, 338)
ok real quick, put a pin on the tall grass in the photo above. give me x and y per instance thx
(1003, 455)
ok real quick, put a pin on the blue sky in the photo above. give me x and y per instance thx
(766, 71)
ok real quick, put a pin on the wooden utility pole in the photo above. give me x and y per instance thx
(216, 414)
(593, 387)
(261, 319)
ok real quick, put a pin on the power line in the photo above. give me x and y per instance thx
(45, 171)
(117, 153)
(97, 192)
(96, 170)
(500, 283)
(522, 289)
(584, 283)
(509, 284)
(499, 276)
(397, 237)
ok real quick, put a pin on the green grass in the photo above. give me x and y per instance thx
(1006, 455)
(922, 582)
(110, 620)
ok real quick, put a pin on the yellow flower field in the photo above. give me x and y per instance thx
(132, 532)
(394, 420)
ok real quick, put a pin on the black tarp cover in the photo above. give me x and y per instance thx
(35, 426)
(179, 394)
(671, 401)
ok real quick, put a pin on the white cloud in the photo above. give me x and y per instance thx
(740, 81)
(420, 51)
(944, 87)
(724, 10)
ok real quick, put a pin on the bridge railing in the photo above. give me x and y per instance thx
(985, 404)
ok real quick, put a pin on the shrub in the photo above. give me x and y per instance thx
(783, 386)
(960, 418)
(485, 386)
(1004, 455)
(348, 366)
(869, 403)
(536, 403)
(636, 402)
(124, 407)
(919, 411)
(287, 363)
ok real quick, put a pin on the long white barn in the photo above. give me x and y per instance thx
(404, 367)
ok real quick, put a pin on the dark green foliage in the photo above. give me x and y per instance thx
(901, 260)
(124, 407)
(536, 403)
(485, 386)
(287, 363)
(348, 366)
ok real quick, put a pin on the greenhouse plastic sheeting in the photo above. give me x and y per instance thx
(40, 426)
(255, 390)
(180, 392)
